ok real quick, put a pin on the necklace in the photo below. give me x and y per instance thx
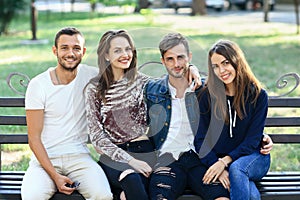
(58, 81)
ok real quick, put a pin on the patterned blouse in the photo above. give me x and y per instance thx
(121, 119)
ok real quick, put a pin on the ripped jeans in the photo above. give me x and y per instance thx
(170, 178)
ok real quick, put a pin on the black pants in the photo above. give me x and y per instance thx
(134, 185)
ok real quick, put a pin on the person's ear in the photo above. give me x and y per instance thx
(190, 57)
(54, 50)
(84, 50)
(162, 61)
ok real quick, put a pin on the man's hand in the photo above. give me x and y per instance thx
(61, 182)
(267, 145)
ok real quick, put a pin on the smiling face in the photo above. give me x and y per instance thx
(223, 70)
(69, 51)
(176, 61)
(119, 55)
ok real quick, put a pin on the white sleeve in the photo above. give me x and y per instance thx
(35, 96)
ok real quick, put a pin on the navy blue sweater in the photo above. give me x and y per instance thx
(215, 140)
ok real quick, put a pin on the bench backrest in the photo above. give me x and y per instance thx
(272, 121)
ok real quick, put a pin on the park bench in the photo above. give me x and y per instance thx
(275, 186)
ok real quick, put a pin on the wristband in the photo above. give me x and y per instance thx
(220, 159)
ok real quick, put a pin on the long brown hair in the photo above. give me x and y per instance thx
(246, 84)
(105, 77)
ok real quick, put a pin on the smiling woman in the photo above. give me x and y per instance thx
(116, 116)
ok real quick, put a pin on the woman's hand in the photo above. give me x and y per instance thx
(224, 179)
(213, 173)
(140, 167)
(267, 145)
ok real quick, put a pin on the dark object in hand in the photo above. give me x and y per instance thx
(75, 184)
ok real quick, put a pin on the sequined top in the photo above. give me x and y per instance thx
(120, 119)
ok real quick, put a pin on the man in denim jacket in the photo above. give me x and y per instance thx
(171, 97)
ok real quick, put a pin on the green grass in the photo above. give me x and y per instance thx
(272, 49)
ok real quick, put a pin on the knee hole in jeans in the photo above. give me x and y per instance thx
(161, 197)
(125, 173)
(166, 171)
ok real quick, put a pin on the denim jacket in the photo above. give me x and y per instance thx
(159, 104)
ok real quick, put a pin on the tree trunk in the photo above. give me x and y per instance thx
(93, 6)
(5, 22)
(141, 5)
(266, 10)
(72, 5)
(198, 7)
(296, 3)
(33, 19)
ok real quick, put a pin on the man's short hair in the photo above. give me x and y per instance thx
(171, 40)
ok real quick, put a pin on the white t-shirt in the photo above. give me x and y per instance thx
(65, 127)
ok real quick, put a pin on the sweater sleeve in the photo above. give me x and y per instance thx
(98, 135)
(254, 129)
(203, 142)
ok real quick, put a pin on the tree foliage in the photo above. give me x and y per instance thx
(8, 10)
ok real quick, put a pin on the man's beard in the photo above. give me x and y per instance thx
(175, 75)
(70, 69)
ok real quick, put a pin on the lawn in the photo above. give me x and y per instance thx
(272, 49)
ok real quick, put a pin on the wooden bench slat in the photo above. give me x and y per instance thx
(12, 102)
(281, 188)
(11, 177)
(289, 102)
(277, 184)
(285, 138)
(283, 173)
(282, 178)
(10, 187)
(283, 122)
(280, 195)
(13, 138)
(12, 172)
(13, 120)
(10, 182)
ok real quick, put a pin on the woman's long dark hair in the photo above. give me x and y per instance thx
(105, 77)
(246, 84)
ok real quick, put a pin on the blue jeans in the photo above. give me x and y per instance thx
(168, 181)
(134, 185)
(244, 172)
